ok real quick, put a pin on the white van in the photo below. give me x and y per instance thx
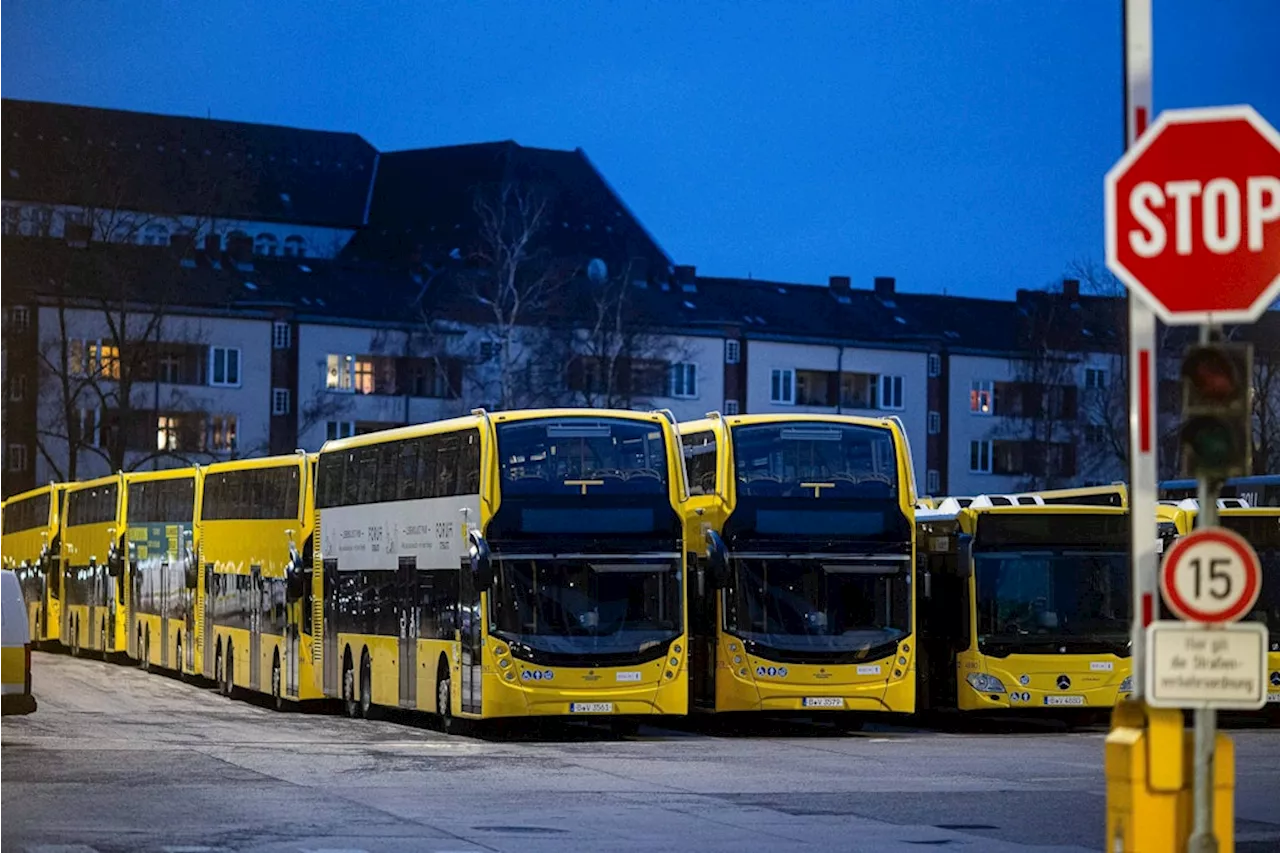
(15, 649)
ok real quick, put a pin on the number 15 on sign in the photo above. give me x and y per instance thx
(1211, 575)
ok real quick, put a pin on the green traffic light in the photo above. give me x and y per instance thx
(1213, 442)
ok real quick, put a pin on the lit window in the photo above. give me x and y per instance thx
(295, 247)
(104, 360)
(222, 432)
(732, 352)
(266, 244)
(782, 387)
(341, 373)
(683, 380)
(224, 366)
(281, 335)
(364, 375)
(980, 457)
(279, 401)
(982, 397)
(166, 433)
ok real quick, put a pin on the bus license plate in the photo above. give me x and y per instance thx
(590, 707)
(1064, 700)
(824, 703)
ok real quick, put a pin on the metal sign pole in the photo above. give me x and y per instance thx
(1142, 363)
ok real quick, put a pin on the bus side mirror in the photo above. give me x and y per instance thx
(964, 556)
(717, 560)
(481, 563)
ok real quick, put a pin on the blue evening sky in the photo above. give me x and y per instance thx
(951, 144)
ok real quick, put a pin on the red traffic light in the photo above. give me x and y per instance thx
(1212, 375)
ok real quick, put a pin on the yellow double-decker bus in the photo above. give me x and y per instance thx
(95, 584)
(159, 529)
(1024, 607)
(254, 619)
(507, 565)
(29, 546)
(1260, 526)
(803, 602)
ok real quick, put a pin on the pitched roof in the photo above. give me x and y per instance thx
(175, 165)
(423, 204)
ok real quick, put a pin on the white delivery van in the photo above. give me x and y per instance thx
(15, 649)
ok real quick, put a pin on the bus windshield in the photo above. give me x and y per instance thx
(582, 456)
(815, 459)
(1077, 601)
(581, 607)
(801, 607)
(1267, 610)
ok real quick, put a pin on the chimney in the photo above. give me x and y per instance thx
(840, 284)
(1071, 288)
(212, 244)
(884, 286)
(686, 274)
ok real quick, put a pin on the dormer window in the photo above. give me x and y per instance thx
(266, 244)
(295, 247)
(154, 234)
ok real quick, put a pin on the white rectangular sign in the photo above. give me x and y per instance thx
(1194, 666)
(369, 537)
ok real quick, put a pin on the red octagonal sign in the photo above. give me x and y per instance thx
(1193, 216)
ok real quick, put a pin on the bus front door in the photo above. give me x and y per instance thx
(407, 601)
(255, 627)
(470, 680)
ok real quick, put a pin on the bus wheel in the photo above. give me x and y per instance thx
(277, 697)
(217, 667)
(145, 663)
(349, 703)
(74, 640)
(366, 687)
(229, 672)
(444, 707)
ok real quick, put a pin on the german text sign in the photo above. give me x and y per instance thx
(1211, 575)
(1193, 216)
(1199, 666)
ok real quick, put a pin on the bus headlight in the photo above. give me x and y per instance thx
(984, 683)
(504, 663)
(499, 650)
(1126, 686)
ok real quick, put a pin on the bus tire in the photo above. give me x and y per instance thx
(277, 687)
(145, 662)
(366, 687)
(229, 672)
(349, 704)
(217, 666)
(104, 640)
(73, 642)
(444, 698)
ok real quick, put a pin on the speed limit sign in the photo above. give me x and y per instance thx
(1210, 575)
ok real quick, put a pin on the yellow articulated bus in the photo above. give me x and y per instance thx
(803, 602)
(29, 546)
(505, 565)
(254, 621)
(1261, 527)
(1024, 607)
(160, 528)
(95, 585)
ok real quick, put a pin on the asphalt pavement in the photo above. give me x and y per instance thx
(119, 760)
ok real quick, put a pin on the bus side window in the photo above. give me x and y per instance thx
(428, 450)
(388, 471)
(407, 475)
(350, 479)
(447, 465)
(469, 464)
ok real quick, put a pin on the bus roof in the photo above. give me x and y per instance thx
(282, 461)
(782, 418)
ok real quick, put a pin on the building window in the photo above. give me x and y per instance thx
(490, 350)
(224, 366)
(89, 423)
(731, 407)
(155, 234)
(980, 457)
(17, 457)
(20, 317)
(266, 244)
(17, 388)
(682, 380)
(982, 397)
(339, 429)
(891, 392)
(935, 365)
(341, 374)
(222, 432)
(782, 387)
(935, 423)
(12, 219)
(1095, 433)
(295, 247)
(279, 401)
(1095, 378)
(364, 375)
(732, 352)
(166, 433)
(933, 481)
(281, 335)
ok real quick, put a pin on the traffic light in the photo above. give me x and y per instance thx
(1217, 410)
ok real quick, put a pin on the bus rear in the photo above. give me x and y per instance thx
(29, 546)
(804, 599)
(95, 582)
(1031, 603)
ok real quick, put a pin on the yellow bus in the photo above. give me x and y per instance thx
(95, 587)
(254, 622)
(1024, 607)
(29, 547)
(505, 565)
(160, 527)
(1261, 527)
(803, 602)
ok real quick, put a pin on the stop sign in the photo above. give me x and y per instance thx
(1193, 216)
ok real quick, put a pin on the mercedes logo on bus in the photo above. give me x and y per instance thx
(1063, 682)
